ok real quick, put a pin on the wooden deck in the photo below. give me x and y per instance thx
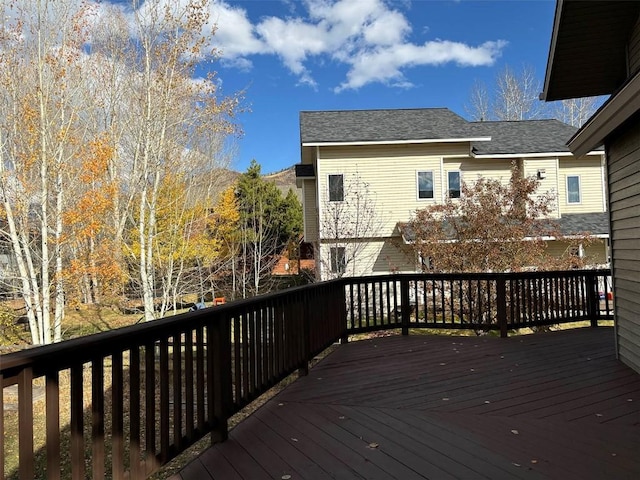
(555, 405)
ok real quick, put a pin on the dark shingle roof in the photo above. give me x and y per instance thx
(508, 137)
(569, 224)
(382, 125)
(592, 223)
(524, 136)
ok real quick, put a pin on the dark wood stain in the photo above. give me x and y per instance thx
(552, 405)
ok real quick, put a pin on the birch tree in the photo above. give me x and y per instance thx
(576, 111)
(169, 117)
(40, 73)
(514, 95)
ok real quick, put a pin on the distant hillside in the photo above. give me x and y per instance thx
(285, 180)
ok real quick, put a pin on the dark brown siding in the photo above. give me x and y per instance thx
(623, 152)
(633, 49)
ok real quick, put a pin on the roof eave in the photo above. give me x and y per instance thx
(552, 50)
(610, 116)
(397, 142)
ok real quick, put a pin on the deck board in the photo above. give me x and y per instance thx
(544, 406)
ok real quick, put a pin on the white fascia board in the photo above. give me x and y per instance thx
(608, 118)
(536, 155)
(545, 238)
(569, 237)
(396, 142)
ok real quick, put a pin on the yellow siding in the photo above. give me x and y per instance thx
(370, 257)
(310, 211)
(591, 184)
(474, 168)
(595, 252)
(549, 184)
(391, 179)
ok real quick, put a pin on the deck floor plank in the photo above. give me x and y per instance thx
(544, 406)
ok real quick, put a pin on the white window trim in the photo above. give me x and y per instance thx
(579, 189)
(433, 185)
(329, 175)
(459, 172)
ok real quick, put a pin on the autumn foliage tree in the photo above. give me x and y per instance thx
(93, 272)
(493, 227)
(101, 115)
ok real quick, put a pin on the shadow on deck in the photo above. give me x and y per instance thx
(554, 405)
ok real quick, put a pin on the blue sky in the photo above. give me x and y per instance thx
(293, 55)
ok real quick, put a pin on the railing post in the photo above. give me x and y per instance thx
(593, 299)
(342, 299)
(25, 417)
(303, 370)
(220, 351)
(406, 307)
(501, 304)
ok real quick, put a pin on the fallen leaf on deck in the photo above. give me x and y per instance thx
(342, 417)
(445, 398)
(285, 477)
(373, 445)
(281, 404)
(515, 432)
(294, 439)
(487, 401)
(534, 461)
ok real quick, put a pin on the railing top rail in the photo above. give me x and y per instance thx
(83, 349)
(479, 275)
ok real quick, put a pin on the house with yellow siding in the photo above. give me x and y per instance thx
(364, 173)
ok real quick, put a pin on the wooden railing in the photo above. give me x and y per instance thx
(121, 404)
(481, 302)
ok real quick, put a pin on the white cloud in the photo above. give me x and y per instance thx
(235, 35)
(385, 65)
(370, 37)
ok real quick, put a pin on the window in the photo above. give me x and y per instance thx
(573, 189)
(425, 184)
(454, 184)
(336, 188)
(338, 260)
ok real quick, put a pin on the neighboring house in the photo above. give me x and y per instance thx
(595, 50)
(364, 173)
(295, 260)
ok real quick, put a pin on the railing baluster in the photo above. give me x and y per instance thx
(135, 447)
(77, 424)
(176, 387)
(53, 425)
(164, 399)
(25, 416)
(150, 406)
(188, 385)
(97, 417)
(117, 413)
